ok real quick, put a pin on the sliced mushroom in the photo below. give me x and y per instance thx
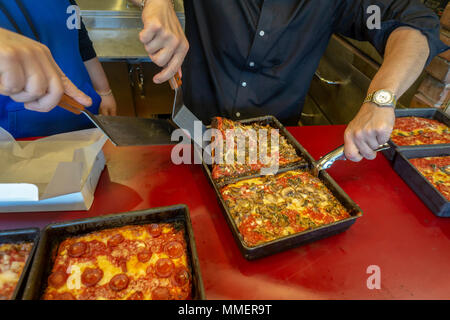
(288, 192)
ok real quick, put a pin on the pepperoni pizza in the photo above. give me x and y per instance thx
(145, 262)
(13, 257)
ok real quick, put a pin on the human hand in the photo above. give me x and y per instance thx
(108, 106)
(370, 128)
(29, 74)
(163, 38)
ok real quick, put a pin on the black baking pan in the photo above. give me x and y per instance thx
(428, 113)
(18, 236)
(425, 190)
(294, 240)
(276, 124)
(54, 234)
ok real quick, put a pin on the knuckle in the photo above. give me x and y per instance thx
(155, 26)
(359, 134)
(9, 54)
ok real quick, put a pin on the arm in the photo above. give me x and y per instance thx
(108, 106)
(163, 37)
(405, 56)
(29, 74)
(408, 38)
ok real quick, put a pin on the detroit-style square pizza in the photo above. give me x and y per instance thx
(437, 171)
(145, 262)
(271, 207)
(13, 257)
(410, 131)
(284, 153)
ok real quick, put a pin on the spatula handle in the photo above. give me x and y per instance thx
(71, 104)
(175, 82)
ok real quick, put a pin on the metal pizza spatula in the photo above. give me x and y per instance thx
(337, 154)
(125, 131)
(184, 118)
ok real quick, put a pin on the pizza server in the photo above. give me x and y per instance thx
(330, 158)
(125, 131)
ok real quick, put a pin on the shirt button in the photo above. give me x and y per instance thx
(262, 33)
(238, 114)
(251, 64)
(244, 84)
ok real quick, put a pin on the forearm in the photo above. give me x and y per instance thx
(97, 75)
(405, 56)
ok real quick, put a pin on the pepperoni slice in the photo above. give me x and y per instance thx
(115, 240)
(91, 276)
(77, 249)
(57, 279)
(123, 265)
(149, 270)
(155, 230)
(144, 256)
(160, 293)
(174, 249)
(66, 296)
(164, 267)
(138, 295)
(181, 276)
(119, 282)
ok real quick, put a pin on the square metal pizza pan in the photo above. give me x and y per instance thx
(294, 240)
(428, 113)
(18, 236)
(425, 190)
(54, 234)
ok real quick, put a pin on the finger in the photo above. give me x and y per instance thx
(383, 136)
(154, 46)
(350, 149)
(12, 76)
(169, 71)
(69, 88)
(364, 149)
(163, 56)
(103, 111)
(372, 141)
(150, 31)
(55, 89)
(36, 83)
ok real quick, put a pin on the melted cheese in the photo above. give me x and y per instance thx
(135, 268)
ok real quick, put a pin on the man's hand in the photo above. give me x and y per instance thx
(371, 127)
(29, 74)
(163, 38)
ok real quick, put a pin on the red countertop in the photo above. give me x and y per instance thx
(397, 232)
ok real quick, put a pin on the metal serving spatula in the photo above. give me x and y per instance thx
(337, 154)
(184, 118)
(125, 131)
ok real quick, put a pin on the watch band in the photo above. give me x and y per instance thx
(369, 97)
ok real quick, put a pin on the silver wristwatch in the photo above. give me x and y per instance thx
(382, 98)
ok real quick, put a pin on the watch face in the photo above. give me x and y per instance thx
(383, 97)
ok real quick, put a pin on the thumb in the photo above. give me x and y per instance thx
(71, 90)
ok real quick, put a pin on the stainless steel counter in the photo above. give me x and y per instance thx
(114, 27)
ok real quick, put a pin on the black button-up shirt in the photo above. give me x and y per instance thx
(257, 57)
